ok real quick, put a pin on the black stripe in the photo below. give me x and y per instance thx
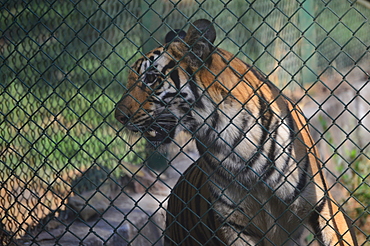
(314, 220)
(171, 136)
(170, 65)
(266, 117)
(241, 135)
(259, 76)
(138, 64)
(194, 88)
(302, 180)
(218, 198)
(270, 159)
(173, 95)
(289, 151)
(157, 86)
(225, 202)
(152, 100)
(157, 52)
(227, 179)
(214, 121)
(237, 74)
(145, 65)
(265, 113)
(244, 230)
(174, 75)
(223, 57)
(209, 162)
(215, 118)
(221, 52)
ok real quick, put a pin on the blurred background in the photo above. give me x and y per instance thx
(63, 67)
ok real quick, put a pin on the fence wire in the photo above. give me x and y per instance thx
(69, 174)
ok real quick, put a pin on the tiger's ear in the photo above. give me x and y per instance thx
(200, 38)
(175, 35)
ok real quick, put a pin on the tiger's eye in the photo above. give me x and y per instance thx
(150, 78)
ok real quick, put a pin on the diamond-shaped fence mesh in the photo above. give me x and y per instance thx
(71, 175)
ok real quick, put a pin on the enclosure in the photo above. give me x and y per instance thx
(69, 173)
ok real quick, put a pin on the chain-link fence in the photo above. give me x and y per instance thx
(69, 174)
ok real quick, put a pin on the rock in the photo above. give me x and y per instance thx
(140, 229)
(89, 204)
(129, 219)
(121, 237)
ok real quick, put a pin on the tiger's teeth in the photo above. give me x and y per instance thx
(152, 133)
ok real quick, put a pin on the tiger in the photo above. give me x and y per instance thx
(258, 179)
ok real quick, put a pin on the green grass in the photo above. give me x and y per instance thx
(46, 132)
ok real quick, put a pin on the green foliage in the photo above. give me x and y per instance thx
(48, 44)
(61, 64)
(357, 179)
(354, 169)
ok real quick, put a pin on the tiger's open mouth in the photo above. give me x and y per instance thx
(159, 134)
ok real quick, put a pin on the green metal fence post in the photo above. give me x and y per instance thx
(150, 22)
(307, 27)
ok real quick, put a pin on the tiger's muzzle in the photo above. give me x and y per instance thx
(156, 130)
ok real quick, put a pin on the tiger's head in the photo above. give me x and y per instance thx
(185, 85)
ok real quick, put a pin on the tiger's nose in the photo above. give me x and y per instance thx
(122, 114)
